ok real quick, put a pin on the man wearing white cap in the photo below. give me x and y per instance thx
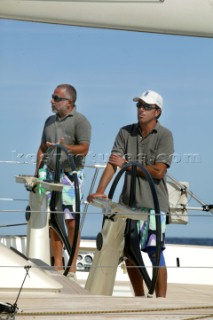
(152, 145)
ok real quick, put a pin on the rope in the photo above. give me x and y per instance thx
(81, 312)
(200, 317)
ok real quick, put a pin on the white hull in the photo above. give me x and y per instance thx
(195, 267)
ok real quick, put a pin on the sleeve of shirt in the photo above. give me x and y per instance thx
(119, 146)
(165, 148)
(43, 137)
(83, 130)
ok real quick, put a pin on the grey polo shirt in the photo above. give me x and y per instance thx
(74, 128)
(156, 147)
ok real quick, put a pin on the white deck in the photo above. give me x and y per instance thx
(182, 302)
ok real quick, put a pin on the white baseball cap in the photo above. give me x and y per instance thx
(151, 97)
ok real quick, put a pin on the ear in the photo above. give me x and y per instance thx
(158, 113)
(70, 103)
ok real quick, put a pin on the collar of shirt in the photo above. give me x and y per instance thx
(71, 114)
(155, 129)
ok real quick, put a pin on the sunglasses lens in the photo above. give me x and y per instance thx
(144, 106)
(56, 98)
(147, 107)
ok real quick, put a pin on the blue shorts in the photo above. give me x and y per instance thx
(151, 253)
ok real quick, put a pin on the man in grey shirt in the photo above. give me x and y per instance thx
(71, 129)
(152, 145)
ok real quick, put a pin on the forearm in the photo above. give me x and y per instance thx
(157, 171)
(104, 181)
(81, 149)
(106, 178)
(40, 155)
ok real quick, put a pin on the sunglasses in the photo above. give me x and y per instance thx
(58, 99)
(145, 106)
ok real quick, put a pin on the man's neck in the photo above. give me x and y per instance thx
(147, 128)
(64, 114)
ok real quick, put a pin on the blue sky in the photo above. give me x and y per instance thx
(108, 68)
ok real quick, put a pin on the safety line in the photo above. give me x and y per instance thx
(117, 266)
(101, 213)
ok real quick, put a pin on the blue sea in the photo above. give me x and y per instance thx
(178, 240)
(191, 241)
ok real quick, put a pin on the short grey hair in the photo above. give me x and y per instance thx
(70, 90)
